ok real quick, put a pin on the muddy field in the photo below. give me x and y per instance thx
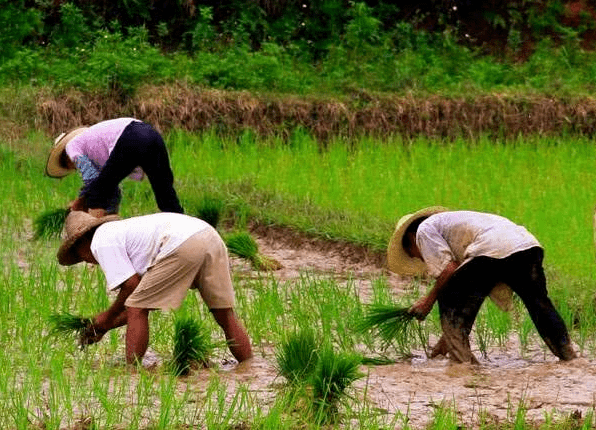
(492, 391)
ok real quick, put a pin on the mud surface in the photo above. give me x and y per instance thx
(493, 391)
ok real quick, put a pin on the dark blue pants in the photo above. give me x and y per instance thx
(139, 145)
(461, 298)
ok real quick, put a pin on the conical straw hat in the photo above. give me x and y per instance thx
(398, 259)
(53, 166)
(77, 224)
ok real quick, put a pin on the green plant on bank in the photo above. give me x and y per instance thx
(366, 58)
(243, 245)
(209, 209)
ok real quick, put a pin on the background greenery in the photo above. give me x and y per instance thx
(328, 47)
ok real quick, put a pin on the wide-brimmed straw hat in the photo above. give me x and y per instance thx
(398, 260)
(53, 166)
(77, 224)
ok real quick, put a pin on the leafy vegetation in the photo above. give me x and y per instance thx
(330, 47)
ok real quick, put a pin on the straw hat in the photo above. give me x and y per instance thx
(398, 259)
(53, 166)
(77, 224)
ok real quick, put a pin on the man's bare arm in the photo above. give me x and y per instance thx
(423, 306)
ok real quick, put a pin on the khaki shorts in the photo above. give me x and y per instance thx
(201, 262)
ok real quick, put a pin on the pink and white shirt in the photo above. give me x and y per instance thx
(98, 141)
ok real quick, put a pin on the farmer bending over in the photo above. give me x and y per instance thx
(152, 261)
(473, 255)
(106, 153)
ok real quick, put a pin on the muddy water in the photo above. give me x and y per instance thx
(494, 390)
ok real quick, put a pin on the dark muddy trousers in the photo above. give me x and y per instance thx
(139, 145)
(466, 290)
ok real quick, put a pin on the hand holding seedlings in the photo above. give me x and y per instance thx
(90, 335)
(66, 324)
(421, 308)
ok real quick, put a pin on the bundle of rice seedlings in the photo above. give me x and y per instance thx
(297, 357)
(333, 375)
(390, 322)
(192, 345)
(243, 245)
(49, 224)
(66, 323)
(210, 209)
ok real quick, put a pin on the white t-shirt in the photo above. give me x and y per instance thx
(462, 235)
(98, 141)
(130, 246)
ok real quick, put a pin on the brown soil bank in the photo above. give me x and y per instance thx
(361, 114)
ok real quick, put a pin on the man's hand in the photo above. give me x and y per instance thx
(98, 212)
(92, 334)
(78, 205)
(421, 308)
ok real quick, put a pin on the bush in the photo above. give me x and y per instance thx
(17, 23)
(116, 65)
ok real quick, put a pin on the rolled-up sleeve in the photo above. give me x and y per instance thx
(434, 249)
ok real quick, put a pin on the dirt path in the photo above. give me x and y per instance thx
(493, 391)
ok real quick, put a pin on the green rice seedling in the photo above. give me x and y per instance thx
(483, 335)
(297, 356)
(66, 323)
(333, 375)
(209, 209)
(243, 245)
(192, 345)
(49, 224)
(390, 322)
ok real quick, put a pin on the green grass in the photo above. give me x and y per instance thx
(242, 244)
(68, 323)
(357, 193)
(354, 194)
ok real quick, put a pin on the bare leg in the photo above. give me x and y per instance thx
(456, 336)
(235, 333)
(137, 334)
(440, 348)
